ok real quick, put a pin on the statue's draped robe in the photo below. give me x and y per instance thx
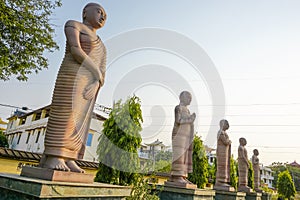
(242, 166)
(223, 158)
(256, 170)
(70, 113)
(182, 142)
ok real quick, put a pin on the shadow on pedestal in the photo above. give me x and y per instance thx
(22, 188)
(177, 193)
(253, 196)
(225, 195)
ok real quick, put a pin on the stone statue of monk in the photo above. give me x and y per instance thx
(182, 140)
(243, 165)
(223, 155)
(79, 79)
(256, 170)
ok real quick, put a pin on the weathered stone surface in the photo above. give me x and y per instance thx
(175, 193)
(55, 175)
(226, 188)
(182, 139)
(180, 185)
(223, 155)
(223, 195)
(266, 196)
(253, 196)
(23, 188)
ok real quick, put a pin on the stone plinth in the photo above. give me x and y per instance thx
(266, 196)
(224, 195)
(22, 188)
(253, 196)
(180, 185)
(55, 175)
(226, 188)
(176, 193)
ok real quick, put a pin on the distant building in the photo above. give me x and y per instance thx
(294, 164)
(266, 176)
(26, 132)
(3, 125)
(210, 154)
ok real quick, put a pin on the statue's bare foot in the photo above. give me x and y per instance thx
(56, 163)
(178, 179)
(187, 180)
(74, 167)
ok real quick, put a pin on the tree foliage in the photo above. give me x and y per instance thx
(200, 164)
(250, 175)
(3, 140)
(163, 166)
(118, 144)
(285, 185)
(212, 171)
(278, 167)
(142, 190)
(25, 33)
(233, 173)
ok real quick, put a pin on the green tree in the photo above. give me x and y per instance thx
(118, 144)
(285, 185)
(200, 164)
(250, 175)
(163, 155)
(277, 167)
(163, 166)
(212, 170)
(233, 173)
(3, 140)
(25, 33)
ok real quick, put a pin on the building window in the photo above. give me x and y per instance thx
(12, 138)
(89, 140)
(37, 116)
(28, 136)
(19, 138)
(37, 137)
(47, 113)
(22, 120)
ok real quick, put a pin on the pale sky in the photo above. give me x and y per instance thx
(253, 45)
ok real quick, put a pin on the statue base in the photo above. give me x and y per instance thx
(224, 187)
(266, 196)
(180, 185)
(176, 193)
(253, 196)
(55, 175)
(245, 189)
(13, 186)
(222, 195)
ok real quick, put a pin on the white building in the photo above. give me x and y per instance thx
(210, 154)
(266, 176)
(26, 132)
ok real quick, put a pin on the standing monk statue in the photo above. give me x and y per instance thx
(255, 164)
(243, 165)
(223, 157)
(182, 140)
(79, 79)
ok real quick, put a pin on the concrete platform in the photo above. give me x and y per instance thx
(224, 195)
(22, 188)
(176, 193)
(55, 175)
(253, 196)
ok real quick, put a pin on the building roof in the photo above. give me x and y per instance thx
(35, 157)
(155, 143)
(18, 113)
(208, 149)
(294, 164)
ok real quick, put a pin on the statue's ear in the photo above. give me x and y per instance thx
(84, 14)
